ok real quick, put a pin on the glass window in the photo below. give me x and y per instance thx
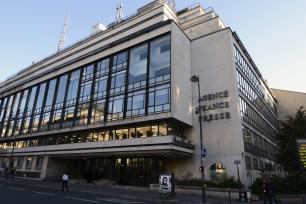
(50, 95)
(159, 99)
(103, 67)
(162, 129)
(154, 130)
(143, 131)
(39, 163)
(73, 85)
(19, 162)
(29, 109)
(119, 61)
(160, 57)
(61, 89)
(121, 134)
(28, 165)
(138, 65)
(136, 103)
(41, 95)
(115, 107)
(132, 133)
(118, 82)
(98, 111)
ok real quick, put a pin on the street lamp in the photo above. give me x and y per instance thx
(196, 79)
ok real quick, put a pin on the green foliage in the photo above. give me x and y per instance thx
(287, 185)
(223, 183)
(292, 128)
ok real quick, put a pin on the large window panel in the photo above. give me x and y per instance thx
(160, 59)
(71, 99)
(159, 99)
(119, 61)
(138, 66)
(38, 107)
(48, 105)
(6, 117)
(115, 107)
(13, 117)
(118, 82)
(20, 115)
(136, 104)
(28, 114)
(58, 107)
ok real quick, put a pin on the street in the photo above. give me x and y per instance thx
(35, 191)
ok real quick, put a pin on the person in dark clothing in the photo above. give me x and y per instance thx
(269, 190)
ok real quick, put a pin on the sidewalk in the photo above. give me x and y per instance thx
(130, 192)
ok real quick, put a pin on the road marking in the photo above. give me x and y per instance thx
(117, 200)
(43, 193)
(17, 189)
(81, 199)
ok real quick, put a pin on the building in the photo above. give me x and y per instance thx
(289, 102)
(119, 105)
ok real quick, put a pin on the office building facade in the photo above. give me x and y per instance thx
(120, 106)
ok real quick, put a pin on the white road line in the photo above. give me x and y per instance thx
(117, 200)
(17, 189)
(43, 193)
(81, 199)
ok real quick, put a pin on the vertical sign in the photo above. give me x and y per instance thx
(301, 143)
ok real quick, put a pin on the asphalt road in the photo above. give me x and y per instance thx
(11, 193)
(38, 192)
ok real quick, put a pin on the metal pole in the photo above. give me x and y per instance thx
(229, 197)
(239, 183)
(201, 142)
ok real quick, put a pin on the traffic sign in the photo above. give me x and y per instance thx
(237, 162)
(203, 152)
(204, 159)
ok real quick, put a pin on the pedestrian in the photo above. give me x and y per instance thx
(65, 179)
(6, 173)
(13, 170)
(270, 190)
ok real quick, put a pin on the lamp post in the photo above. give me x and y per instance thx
(196, 79)
(237, 162)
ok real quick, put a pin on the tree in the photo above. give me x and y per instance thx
(291, 128)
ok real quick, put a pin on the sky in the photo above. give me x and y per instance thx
(274, 31)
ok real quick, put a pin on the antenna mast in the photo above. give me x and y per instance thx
(63, 33)
(119, 12)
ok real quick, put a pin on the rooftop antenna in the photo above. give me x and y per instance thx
(63, 33)
(119, 12)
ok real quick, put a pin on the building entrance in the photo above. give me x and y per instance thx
(139, 171)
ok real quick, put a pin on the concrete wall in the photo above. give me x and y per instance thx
(181, 96)
(288, 102)
(212, 59)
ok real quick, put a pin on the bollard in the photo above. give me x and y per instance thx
(229, 197)
(204, 193)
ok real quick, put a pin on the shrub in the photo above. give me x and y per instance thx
(224, 183)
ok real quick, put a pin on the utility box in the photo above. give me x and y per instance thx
(166, 186)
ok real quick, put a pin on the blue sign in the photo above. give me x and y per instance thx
(203, 152)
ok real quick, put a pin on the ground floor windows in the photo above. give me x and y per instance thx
(39, 163)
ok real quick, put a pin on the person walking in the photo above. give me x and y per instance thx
(270, 192)
(65, 179)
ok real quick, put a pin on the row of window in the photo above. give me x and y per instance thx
(251, 117)
(253, 97)
(151, 130)
(258, 164)
(256, 145)
(26, 161)
(131, 83)
(254, 81)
